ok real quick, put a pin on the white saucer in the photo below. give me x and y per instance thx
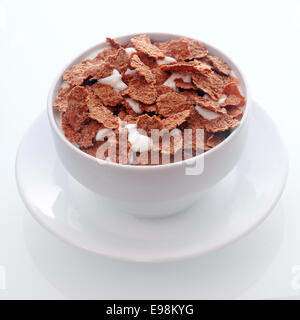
(223, 214)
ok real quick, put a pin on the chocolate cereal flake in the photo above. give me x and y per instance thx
(170, 103)
(191, 66)
(233, 101)
(77, 110)
(103, 115)
(87, 69)
(175, 146)
(222, 123)
(148, 123)
(84, 137)
(148, 61)
(184, 85)
(177, 49)
(163, 89)
(159, 75)
(176, 120)
(197, 49)
(219, 65)
(143, 43)
(106, 94)
(142, 69)
(211, 83)
(67, 129)
(139, 89)
(119, 60)
(113, 43)
(92, 151)
(216, 138)
(234, 112)
(234, 96)
(210, 104)
(61, 101)
(102, 55)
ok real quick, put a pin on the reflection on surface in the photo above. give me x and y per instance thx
(226, 273)
(199, 228)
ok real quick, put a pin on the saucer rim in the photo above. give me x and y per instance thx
(172, 258)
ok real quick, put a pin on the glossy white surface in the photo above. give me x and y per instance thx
(222, 214)
(37, 42)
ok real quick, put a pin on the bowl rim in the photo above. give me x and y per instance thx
(185, 162)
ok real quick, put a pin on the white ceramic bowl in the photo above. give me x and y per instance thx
(149, 191)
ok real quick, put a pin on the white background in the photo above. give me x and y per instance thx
(37, 38)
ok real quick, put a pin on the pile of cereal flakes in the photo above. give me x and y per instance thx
(121, 105)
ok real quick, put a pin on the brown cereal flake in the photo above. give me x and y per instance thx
(127, 45)
(148, 61)
(219, 65)
(77, 110)
(107, 94)
(176, 120)
(235, 112)
(89, 68)
(148, 108)
(197, 49)
(142, 69)
(176, 144)
(126, 114)
(148, 123)
(102, 55)
(123, 153)
(191, 96)
(143, 43)
(138, 89)
(61, 100)
(93, 100)
(195, 121)
(67, 129)
(216, 138)
(160, 75)
(128, 117)
(93, 149)
(170, 103)
(234, 96)
(119, 147)
(210, 104)
(191, 66)
(119, 60)
(202, 141)
(103, 115)
(184, 85)
(113, 43)
(177, 49)
(222, 123)
(122, 113)
(211, 83)
(234, 101)
(129, 109)
(161, 89)
(84, 137)
(126, 78)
